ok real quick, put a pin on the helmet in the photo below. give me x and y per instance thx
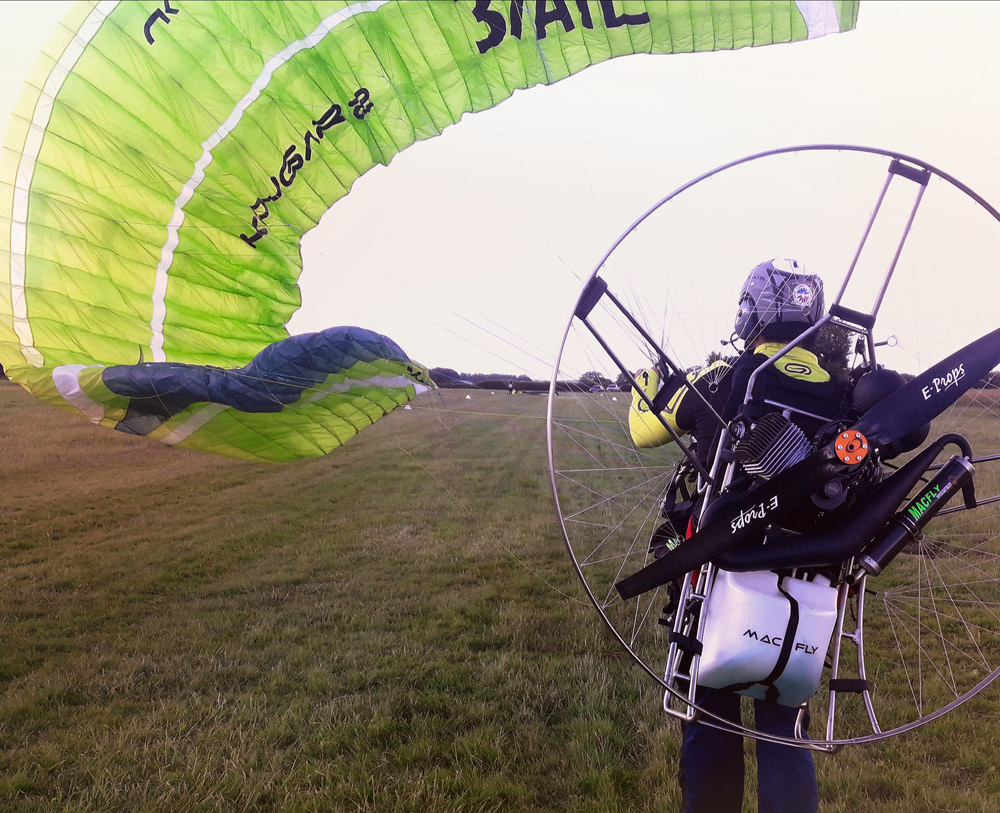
(779, 300)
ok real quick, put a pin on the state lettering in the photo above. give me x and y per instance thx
(542, 14)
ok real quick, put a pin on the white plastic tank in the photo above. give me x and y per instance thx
(746, 627)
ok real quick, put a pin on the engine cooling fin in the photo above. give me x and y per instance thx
(774, 444)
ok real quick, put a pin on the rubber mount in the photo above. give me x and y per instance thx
(851, 447)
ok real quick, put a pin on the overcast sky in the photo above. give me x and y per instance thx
(491, 227)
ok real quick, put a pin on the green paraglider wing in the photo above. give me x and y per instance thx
(167, 158)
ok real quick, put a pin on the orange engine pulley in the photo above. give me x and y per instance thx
(851, 447)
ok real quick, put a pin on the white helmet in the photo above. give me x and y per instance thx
(781, 298)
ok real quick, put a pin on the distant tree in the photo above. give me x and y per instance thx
(718, 355)
(592, 378)
(623, 383)
(444, 374)
(832, 344)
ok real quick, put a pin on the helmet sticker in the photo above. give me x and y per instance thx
(803, 295)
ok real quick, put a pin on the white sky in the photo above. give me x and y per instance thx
(494, 223)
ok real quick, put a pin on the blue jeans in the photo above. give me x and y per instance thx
(711, 767)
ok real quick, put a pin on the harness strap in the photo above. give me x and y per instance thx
(771, 694)
(686, 643)
(854, 685)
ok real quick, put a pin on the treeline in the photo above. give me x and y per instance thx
(445, 377)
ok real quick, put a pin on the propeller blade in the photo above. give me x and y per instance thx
(929, 394)
(745, 519)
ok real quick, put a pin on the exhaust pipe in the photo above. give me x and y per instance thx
(907, 526)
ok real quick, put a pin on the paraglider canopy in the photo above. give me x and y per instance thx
(160, 173)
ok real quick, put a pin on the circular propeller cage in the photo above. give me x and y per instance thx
(905, 252)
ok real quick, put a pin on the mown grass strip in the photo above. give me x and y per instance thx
(395, 627)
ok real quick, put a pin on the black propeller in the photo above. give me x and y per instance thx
(929, 394)
(916, 403)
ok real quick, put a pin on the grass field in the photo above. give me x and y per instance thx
(394, 627)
